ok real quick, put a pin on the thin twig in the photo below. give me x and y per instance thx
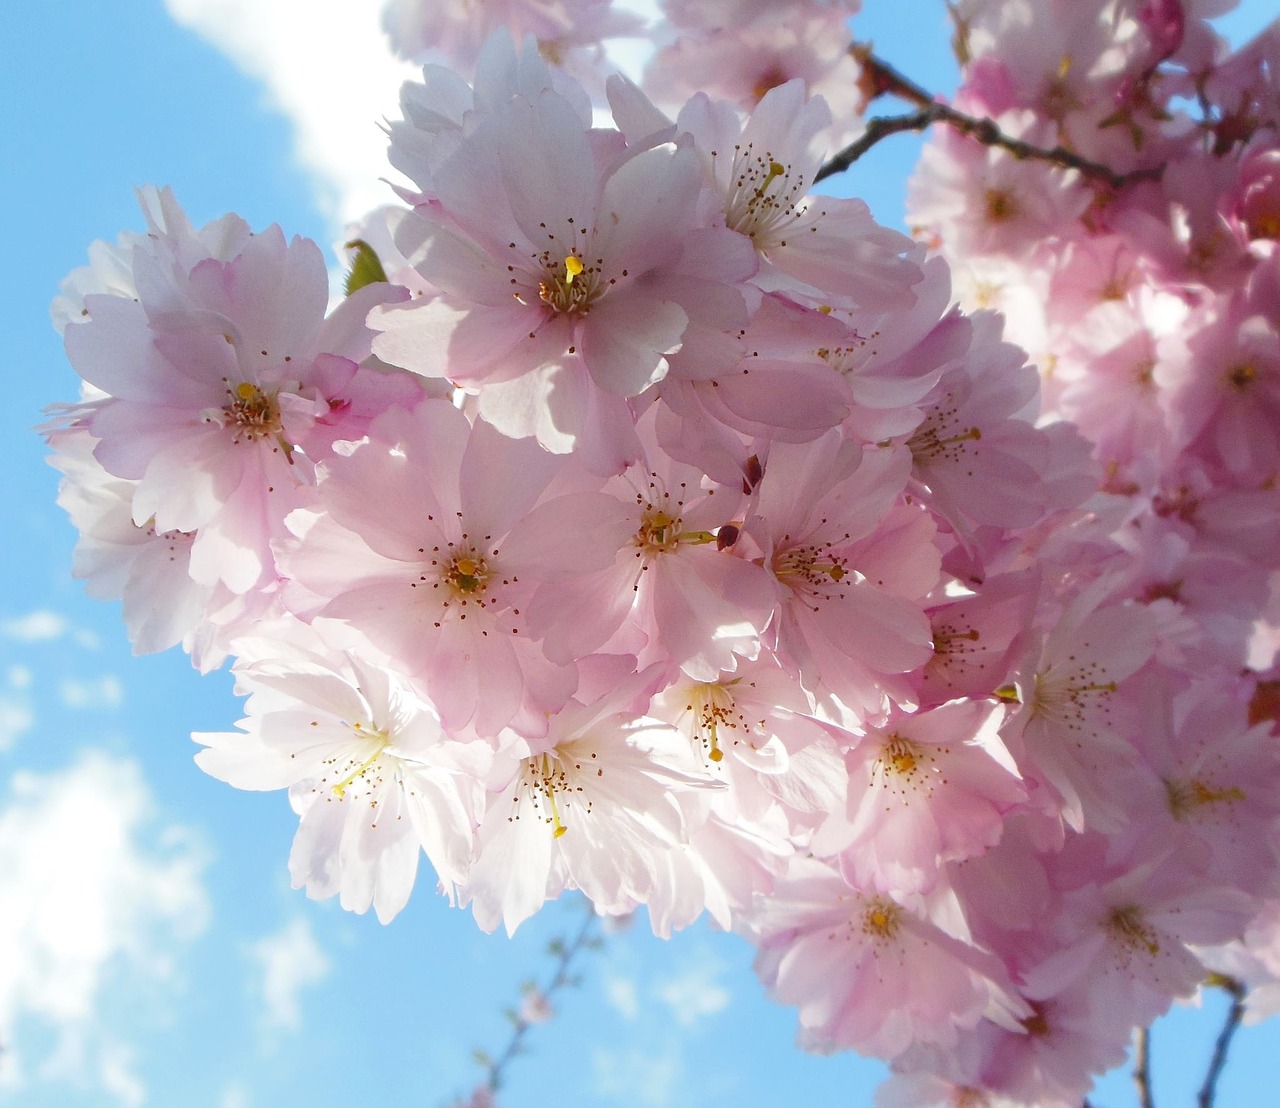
(885, 80)
(1142, 1067)
(564, 954)
(878, 128)
(1229, 1027)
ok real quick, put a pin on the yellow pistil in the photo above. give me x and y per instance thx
(467, 574)
(660, 533)
(1188, 797)
(253, 414)
(899, 757)
(881, 919)
(1128, 926)
(383, 742)
(572, 267)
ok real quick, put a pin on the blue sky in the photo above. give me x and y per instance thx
(151, 950)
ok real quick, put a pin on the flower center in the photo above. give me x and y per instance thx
(571, 287)
(1127, 926)
(1000, 205)
(467, 574)
(362, 774)
(813, 571)
(252, 414)
(712, 707)
(1242, 375)
(941, 439)
(881, 919)
(550, 788)
(1193, 797)
(763, 200)
(906, 767)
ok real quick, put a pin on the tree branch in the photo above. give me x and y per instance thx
(564, 954)
(1142, 1067)
(1229, 1027)
(884, 80)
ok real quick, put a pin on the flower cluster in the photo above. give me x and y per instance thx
(662, 530)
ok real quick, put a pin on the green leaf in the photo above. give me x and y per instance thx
(365, 269)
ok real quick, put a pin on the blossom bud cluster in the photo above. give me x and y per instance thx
(652, 527)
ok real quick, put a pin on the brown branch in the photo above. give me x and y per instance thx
(564, 954)
(877, 129)
(885, 80)
(1142, 1067)
(1229, 1027)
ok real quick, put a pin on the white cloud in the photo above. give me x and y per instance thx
(37, 626)
(234, 1096)
(620, 995)
(18, 677)
(289, 960)
(631, 55)
(638, 1076)
(119, 1077)
(16, 718)
(98, 693)
(326, 65)
(91, 893)
(695, 994)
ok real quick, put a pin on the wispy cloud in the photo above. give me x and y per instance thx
(38, 626)
(234, 1096)
(326, 66)
(620, 994)
(16, 718)
(287, 961)
(94, 693)
(695, 993)
(638, 1075)
(91, 892)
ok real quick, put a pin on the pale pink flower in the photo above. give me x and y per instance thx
(1126, 940)
(867, 971)
(924, 790)
(692, 602)
(550, 245)
(741, 56)
(221, 378)
(848, 566)
(816, 246)
(979, 200)
(978, 451)
(976, 638)
(568, 32)
(593, 806)
(1072, 730)
(421, 541)
(371, 773)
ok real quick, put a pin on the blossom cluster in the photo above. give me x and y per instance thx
(644, 524)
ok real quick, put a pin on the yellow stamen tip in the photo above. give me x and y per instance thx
(559, 831)
(246, 391)
(572, 267)
(716, 754)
